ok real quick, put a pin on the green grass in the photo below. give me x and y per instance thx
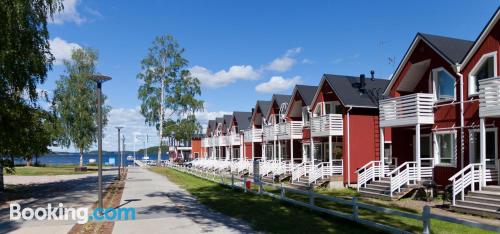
(46, 170)
(221, 199)
(262, 213)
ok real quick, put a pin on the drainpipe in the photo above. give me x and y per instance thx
(311, 143)
(462, 125)
(348, 148)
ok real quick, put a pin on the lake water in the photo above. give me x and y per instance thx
(74, 158)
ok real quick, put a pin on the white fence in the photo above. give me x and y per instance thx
(290, 130)
(489, 97)
(327, 125)
(266, 189)
(270, 132)
(253, 135)
(407, 110)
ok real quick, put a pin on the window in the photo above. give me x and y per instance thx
(318, 152)
(317, 110)
(306, 152)
(491, 146)
(444, 84)
(333, 108)
(445, 144)
(305, 115)
(485, 68)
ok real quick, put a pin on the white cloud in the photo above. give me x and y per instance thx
(223, 77)
(307, 61)
(285, 62)
(61, 49)
(69, 14)
(277, 84)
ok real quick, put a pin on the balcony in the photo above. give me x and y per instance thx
(327, 125)
(221, 141)
(270, 132)
(489, 97)
(233, 139)
(290, 130)
(407, 110)
(253, 135)
(205, 142)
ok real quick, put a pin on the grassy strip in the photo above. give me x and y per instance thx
(262, 213)
(407, 224)
(111, 198)
(47, 170)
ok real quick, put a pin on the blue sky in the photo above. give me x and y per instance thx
(246, 50)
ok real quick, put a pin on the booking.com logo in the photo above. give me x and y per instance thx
(80, 215)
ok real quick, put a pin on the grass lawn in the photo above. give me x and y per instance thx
(262, 213)
(250, 209)
(47, 170)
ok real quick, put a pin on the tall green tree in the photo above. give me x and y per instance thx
(167, 85)
(25, 59)
(75, 99)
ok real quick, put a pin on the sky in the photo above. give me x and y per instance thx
(247, 50)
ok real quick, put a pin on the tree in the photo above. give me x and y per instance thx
(167, 84)
(25, 59)
(75, 99)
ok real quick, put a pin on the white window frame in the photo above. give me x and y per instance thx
(333, 104)
(472, 143)
(305, 112)
(472, 78)
(435, 71)
(321, 109)
(435, 152)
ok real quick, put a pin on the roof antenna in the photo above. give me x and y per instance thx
(372, 73)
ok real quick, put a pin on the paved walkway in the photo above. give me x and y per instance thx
(72, 191)
(163, 207)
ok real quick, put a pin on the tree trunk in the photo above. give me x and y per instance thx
(28, 162)
(1, 181)
(81, 157)
(161, 118)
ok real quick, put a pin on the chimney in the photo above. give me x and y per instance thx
(362, 82)
(372, 73)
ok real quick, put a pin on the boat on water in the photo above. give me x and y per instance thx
(145, 158)
(91, 160)
(130, 158)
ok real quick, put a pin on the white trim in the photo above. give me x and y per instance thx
(471, 90)
(434, 81)
(471, 142)
(481, 38)
(437, 157)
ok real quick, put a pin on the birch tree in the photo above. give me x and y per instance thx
(167, 85)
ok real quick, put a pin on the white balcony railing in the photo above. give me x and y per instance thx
(205, 142)
(290, 130)
(327, 125)
(270, 132)
(407, 110)
(233, 139)
(489, 97)
(222, 141)
(253, 135)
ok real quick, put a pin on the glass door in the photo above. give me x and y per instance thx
(426, 157)
(491, 147)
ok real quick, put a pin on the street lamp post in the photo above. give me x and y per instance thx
(99, 79)
(119, 155)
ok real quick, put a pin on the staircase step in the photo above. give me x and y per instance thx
(379, 186)
(374, 195)
(482, 199)
(492, 188)
(375, 190)
(489, 206)
(382, 183)
(485, 194)
(476, 211)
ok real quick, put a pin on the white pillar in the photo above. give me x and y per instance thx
(291, 151)
(330, 153)
(264, 156)
(417, 150)
(482, 149)
(274, 150)
(279, 151)
(242, 146)
(382, 153)
(312, 154)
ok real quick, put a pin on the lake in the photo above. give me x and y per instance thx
(74, 158)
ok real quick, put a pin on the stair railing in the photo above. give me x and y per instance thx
(368, 172)
(468, 176)
(318, 172)
(299, 171)
(402, 175)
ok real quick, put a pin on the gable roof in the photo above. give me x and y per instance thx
(307, 93)
(211, 125)
(228, 118)
(453, 50)
(482, 36)
(279, 99)
(242, 118)
(347, 90)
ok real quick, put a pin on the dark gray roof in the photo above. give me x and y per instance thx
(263, 105)
(452, 48)
(307, 92)
(347, 90)
(228, 119)
(218, 120)
(211, 125)
(242, 118)
(279, 99)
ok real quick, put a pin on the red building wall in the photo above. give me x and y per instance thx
(248, 150)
